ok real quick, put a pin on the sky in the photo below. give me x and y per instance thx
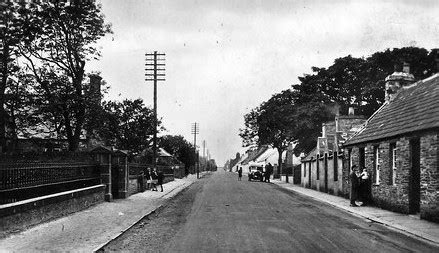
(225, 57)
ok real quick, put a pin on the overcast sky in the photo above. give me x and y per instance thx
(225, 57)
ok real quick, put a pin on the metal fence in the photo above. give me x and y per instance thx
(19, 181)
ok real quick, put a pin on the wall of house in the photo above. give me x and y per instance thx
(334, 182)
(430, 176)
(395, 195)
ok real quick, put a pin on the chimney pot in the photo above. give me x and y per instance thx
(436, 58)
(406, 68)
(351, 111)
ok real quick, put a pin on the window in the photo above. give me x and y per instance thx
(392, 163)
(335, 156)
(376, 164)
(318, 167)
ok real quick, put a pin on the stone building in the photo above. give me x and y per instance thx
(399, 146)
(322, 167)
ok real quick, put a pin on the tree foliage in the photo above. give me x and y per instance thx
(127, 125)
(179, 148)
(56, 58)
(297, 114)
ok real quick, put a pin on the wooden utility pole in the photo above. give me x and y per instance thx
(196, 130)
(155, 71)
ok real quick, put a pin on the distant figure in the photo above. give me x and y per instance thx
(239, 173)
(354, 185)
(154, 180)
(148, 178)
(160, 178)
(268, 171)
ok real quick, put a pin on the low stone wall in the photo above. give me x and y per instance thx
(133, 185)
(20, 215)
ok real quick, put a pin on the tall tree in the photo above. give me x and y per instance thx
(272, 123)
(351, 81)
(57, 59)
(127, 125)
(179, 148)
(15, 27)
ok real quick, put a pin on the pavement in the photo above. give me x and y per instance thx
(90, 229)
(410, 225)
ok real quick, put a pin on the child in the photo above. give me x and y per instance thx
(364, 175)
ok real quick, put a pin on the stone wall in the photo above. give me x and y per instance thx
(23, 214)
(430, 176)
(395, 196)
(317, 174)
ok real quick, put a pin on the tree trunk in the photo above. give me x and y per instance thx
(4, 78)
(279, 161)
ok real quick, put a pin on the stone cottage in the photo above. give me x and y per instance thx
(399, 146)
(322, 167)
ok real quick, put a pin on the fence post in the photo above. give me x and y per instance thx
(123, 179)
(105, 165)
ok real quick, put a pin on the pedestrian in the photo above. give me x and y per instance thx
(268, 171)
(154, 180)
(148, 178)
(364, 187)
(354, 185)
(240, 174)
(160, 178)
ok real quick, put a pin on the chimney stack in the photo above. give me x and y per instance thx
(95, 88)
(406, 68)
(351, 111)
(436, 58)
(397, 80)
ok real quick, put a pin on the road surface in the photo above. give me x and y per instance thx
(221, 214)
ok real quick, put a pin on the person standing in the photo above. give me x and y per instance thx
(364, 187)
(148, 178)
(160, 178)
(154, 180)
(239, 173)
(268, 171)
(354, 185)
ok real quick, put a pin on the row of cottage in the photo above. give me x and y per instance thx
(398, 145)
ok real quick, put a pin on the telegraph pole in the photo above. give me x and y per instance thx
(155, 71)
(196, 130)
(204, 154)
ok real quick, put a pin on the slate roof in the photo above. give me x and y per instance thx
(414, 108)
(255, 155)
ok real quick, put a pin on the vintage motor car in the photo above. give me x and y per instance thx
(255, 174)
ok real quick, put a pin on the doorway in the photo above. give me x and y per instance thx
(415, 176)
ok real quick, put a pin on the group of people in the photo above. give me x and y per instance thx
(266, 174)
(154, 178)
(360, 186)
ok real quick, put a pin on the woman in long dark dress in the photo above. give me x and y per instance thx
(160, 178)
(154, 180)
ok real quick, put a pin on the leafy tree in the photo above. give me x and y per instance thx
(179, 148)
(272, 123)
(15, 27)
(350, 81)
(126, 125)
(57, 58)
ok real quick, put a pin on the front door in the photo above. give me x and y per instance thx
(415, 176)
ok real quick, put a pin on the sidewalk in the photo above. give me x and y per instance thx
(408, 224)
(88, 230)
